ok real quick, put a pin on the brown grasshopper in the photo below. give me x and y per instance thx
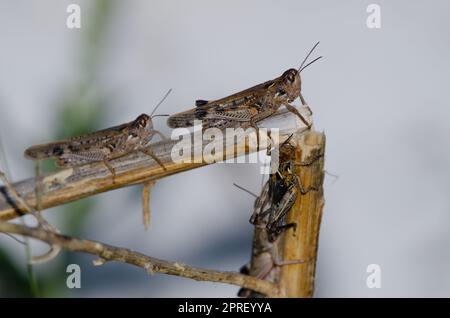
(270, 208)
(283, 188)
(266, 259)
(103, 145)
(246, 108)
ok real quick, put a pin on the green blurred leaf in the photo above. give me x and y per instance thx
(13, 280)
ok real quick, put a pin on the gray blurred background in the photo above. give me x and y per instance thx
(380, 95)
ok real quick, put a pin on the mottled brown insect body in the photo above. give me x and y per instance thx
(246, 108)
(270, 208)
(284, 186)
(101, 146)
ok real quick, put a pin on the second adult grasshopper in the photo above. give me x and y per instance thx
(266, 259)
(246, 108)
(284, 186)
(103, 145)
(270, 208)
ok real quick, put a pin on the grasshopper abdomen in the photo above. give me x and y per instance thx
(45, 151)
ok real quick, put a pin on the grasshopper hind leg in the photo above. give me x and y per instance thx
(84, 157)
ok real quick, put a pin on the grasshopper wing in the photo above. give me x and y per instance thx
(75, 144)
(224, 112)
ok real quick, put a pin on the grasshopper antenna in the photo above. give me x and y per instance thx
(310, 63)
(159, 104)
(307, 56)
(244, 189)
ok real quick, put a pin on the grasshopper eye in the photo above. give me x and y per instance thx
(290, 75)
(142, 120)
(281, 92)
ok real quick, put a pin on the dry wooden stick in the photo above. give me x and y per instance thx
(74, 183)
(302, 242)
(151, 265)
(146, 203)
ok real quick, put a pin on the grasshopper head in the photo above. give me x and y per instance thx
(143, 121)
(291, 84)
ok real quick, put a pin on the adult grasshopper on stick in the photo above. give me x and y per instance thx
(283, 187)
(266, 258)
(246, 108)
(103, 145)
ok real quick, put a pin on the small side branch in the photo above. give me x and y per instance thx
(152, 265)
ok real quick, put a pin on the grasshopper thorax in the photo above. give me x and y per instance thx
(290, 84)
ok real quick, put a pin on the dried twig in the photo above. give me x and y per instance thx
(42, 223)
(151, 265)
(22, 205)
(146, 202)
